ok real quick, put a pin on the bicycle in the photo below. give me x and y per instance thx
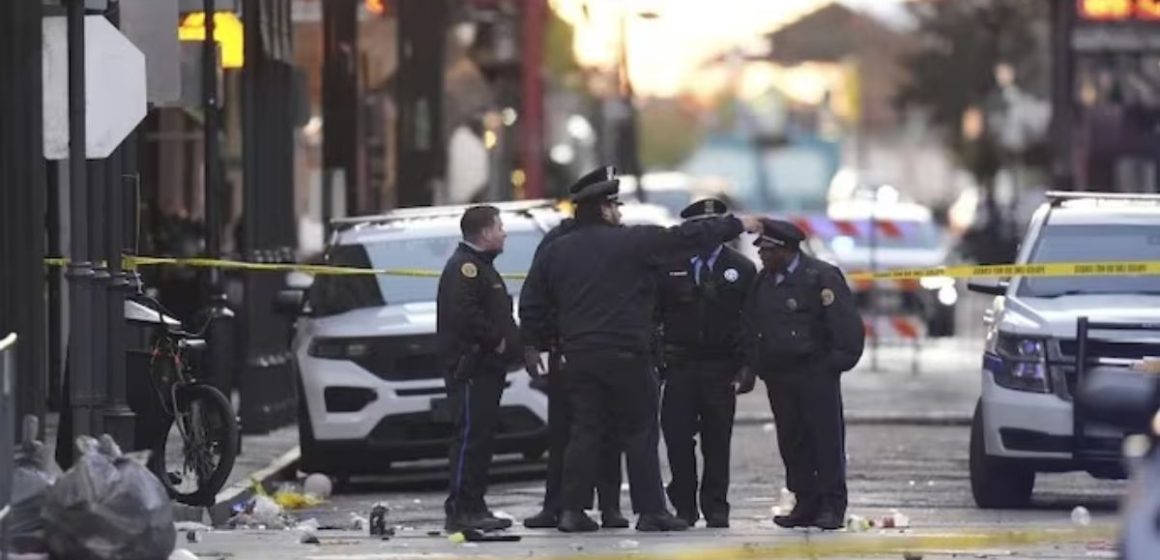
(200, 414)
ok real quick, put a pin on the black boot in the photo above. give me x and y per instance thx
(660, 522)
(690, 517)
(576, 522)
(803, 515)
(717, 521)
(613, 519)
(478, 521)
(830, 518)
(546, 519)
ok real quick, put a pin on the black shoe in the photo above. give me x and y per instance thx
(660, 522)
(717, 521)
(802, 516)
(477, 521)
(546, 519)
(690, 518)
(576, 522)
(829, 519)
(613, 519)
(502, 522)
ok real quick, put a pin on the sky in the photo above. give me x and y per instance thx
(664, 50)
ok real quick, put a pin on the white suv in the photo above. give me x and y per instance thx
(365, 345)
(1046, 335)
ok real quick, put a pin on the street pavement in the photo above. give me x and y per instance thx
(907, 446)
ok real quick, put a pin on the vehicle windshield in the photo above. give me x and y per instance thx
(334, 294)
(1102, 243)
(431, 253)
(894, 234)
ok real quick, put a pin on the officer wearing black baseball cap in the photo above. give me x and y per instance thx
(701, 299)
(593, 290)
(804, 331)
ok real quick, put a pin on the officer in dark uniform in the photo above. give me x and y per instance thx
(595, 288)
(701, 299)
(804, 331)
(478, 338)
(560, 416)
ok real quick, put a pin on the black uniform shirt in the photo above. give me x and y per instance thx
(474, 307)
(597, 283)
(700, 314)
(808, 322)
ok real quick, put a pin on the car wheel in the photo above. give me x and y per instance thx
(995, 483)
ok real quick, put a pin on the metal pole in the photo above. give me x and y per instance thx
(1062, 92)
(220, 364)
(80, 270)
(532, 130)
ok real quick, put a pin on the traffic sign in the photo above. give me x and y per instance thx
(115, 91)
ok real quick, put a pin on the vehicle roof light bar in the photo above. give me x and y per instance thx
(1057, 198)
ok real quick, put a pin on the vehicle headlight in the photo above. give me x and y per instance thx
(338, 348)
(1018, 363)
(936, 282)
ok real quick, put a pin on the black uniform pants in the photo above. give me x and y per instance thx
(811, 434)
(476, 402)
(699, 398)
(613, 394)
(560, 415)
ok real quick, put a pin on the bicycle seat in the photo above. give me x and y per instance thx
(192, 344)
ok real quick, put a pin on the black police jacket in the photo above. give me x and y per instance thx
(546, 337)
(703, 320)
(474, 312)
(594, 288)
(808, 323)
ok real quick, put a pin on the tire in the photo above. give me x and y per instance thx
(222, 437)
(995, 483)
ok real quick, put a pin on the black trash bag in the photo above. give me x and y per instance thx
(108, 506)
(34, 472)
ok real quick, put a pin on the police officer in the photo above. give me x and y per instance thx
(595, 287)
(478, 337)
(805, 331)
(560, 416)
(701, 299)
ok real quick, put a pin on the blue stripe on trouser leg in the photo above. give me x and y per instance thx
(463, 446)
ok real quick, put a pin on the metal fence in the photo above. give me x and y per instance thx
(7, 432)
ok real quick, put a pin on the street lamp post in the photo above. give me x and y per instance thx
(627, 153)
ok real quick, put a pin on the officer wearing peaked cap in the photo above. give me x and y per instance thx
(804, 331)
(594, 290)
(701, 299)
(560, 413)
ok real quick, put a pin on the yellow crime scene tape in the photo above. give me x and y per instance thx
(857, 545)
(1110, 268)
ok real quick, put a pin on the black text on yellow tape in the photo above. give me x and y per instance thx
(1118, 268)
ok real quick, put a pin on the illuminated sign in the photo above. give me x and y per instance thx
(227, 31)
(1118, 10)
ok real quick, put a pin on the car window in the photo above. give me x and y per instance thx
(431, 253)
(334, 294)
(1091, 243)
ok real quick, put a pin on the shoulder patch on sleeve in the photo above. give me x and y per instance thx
(469, 270)
(827, 297)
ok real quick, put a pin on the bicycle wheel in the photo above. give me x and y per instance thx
(195, 457)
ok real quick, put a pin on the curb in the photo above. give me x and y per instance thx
(240, 491)
(905, 419)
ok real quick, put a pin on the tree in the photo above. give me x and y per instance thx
(960, 44)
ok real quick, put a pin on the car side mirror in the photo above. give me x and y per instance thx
(997, 289)
(289, 302)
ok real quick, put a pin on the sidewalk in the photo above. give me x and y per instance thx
(943, 391)
(263, 457)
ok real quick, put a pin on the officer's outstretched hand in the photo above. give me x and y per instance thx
(532, 362)
(745, 381)
(752, 224)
